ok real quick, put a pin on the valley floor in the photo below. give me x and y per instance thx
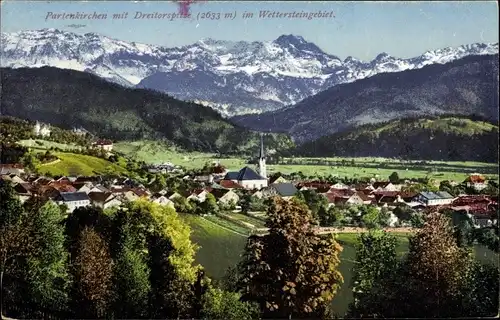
(153, 152)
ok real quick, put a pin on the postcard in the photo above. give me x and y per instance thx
(248, 159)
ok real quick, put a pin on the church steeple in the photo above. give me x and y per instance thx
(262, 158)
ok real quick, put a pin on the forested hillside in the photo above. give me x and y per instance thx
(68, 98)
(445, 138)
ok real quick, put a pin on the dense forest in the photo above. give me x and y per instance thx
(441, 138)
(68, 99)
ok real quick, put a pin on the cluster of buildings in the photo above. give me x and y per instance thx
(227, 186)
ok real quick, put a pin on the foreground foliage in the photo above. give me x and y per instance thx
(291, 272)
(437, 279)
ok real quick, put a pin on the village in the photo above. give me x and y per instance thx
(233, 190)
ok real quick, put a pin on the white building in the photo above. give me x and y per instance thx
(247, 178)
(435, 198)
(476, 181)
(73, 200)
(41, 130)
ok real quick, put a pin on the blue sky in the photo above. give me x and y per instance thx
(359, 29)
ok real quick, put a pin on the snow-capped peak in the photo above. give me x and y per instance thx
(239, 75)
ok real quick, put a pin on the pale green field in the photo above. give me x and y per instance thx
(44, 144)
(155, 152)
(79, 164)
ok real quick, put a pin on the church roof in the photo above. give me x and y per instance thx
(244, 174)
(248, 174)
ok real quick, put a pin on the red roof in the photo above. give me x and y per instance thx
(103, 142)
(475, 178)
(11, 165)
(229, 184)
(341, 193)
(63, 187)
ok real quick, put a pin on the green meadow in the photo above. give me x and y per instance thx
(157, 152)
(79, 164)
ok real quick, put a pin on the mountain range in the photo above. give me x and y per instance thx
(233, 77)
(468, 86)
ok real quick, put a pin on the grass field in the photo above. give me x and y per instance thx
(79, 164)
(154, 152)
(42, 145)
(221, 248)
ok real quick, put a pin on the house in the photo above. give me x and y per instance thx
(346, 196)
(386, 186)
(11, 168)
(171, 195)
(247, 178)
(99, 188)
(339, 186)
(319, 187)
(434, 198)
(106, 145)
(207, 178)
(229, 184)
(130, 195)
(104, 200)
(199, 195)
(476, 181)
(141, 192)
(284, 190)
(92, 179)
(391, 197)
(24, 191)
(278, 179)
(163, 201)
(43, 181)
(16, 179)
(73, 200)
(225, 197)
(363, 187)
(83, 187)
(218, 171)
(161, 168)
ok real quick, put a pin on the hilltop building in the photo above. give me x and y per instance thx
(41, 130)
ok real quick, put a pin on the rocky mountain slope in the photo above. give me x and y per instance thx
(231, 77)
(465, 86)
(68, 98)
(442, 138)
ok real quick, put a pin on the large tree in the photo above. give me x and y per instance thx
(15, 239)
(291, 272)
(46, 266)
(438, 278)
(93, 271)
(376, 259)
(172, 271)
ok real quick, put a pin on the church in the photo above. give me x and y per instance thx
(248, 178)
